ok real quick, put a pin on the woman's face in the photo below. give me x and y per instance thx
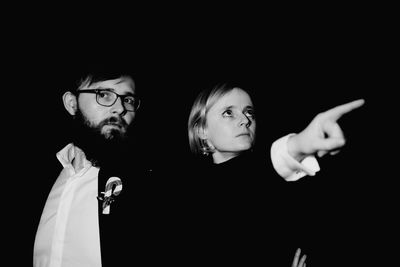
(231, 125)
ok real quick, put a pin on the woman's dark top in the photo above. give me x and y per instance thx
(236, 212)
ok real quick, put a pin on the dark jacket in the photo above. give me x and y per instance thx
(235, 212)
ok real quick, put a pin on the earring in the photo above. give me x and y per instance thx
(205, 147)
(205, 153)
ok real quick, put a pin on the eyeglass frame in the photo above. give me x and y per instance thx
(97, 91)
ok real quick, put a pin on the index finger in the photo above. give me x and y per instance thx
(338, 111)
(296, 257)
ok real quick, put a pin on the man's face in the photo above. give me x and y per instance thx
(109, 122)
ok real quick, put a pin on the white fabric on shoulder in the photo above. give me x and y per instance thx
(68, 231)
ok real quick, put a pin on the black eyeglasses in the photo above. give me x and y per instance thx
(107, 98)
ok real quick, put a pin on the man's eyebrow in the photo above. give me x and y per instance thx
(104, 88)
(130, 94)
(113, 90)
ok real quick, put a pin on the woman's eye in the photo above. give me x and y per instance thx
(227, 113)
(250, 113)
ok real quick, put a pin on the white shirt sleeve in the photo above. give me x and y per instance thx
(286, 166)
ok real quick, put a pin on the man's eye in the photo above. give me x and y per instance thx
(129, 100)
(104, 94)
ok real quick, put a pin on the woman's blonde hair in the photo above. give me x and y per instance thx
(197, 118)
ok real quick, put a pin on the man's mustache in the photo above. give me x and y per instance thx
(114, 121)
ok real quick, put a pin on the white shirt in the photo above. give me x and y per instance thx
(68, 232)
(286, 166)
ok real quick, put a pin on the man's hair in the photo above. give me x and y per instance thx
(90, 73)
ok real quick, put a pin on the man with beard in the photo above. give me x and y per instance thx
(102, 209)
(88, 192)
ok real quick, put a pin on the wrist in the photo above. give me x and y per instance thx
(294, 149)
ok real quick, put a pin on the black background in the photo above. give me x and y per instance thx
(294, 69)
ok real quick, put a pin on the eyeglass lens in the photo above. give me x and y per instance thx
(108, 98)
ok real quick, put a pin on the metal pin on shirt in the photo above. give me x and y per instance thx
(113, 188)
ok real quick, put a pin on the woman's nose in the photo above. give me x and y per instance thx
(244, 120)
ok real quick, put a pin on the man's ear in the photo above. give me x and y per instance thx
(70, 103)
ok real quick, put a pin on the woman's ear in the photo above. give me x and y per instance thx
(207, 145)
(70, 102)
(201, 132)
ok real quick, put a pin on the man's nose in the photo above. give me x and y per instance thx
(118, 106)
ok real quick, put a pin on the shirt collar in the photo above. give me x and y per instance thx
(73, 157)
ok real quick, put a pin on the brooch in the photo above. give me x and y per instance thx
(113, 188)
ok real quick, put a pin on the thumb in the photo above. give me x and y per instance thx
(330, 144)
(322, 153)
(334, 152)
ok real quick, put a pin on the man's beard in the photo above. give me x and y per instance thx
(100, 147)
